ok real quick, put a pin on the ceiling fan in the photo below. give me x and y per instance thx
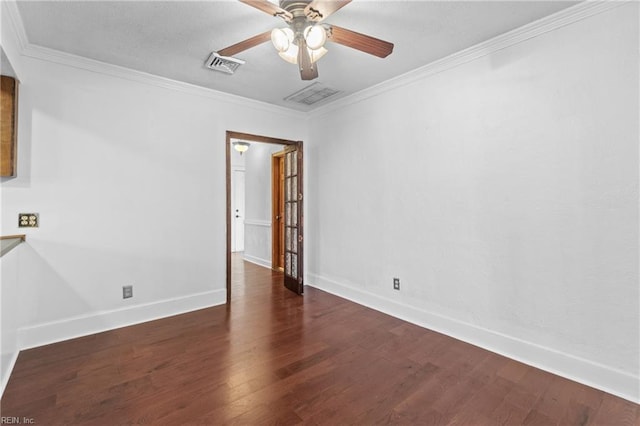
(302, 41)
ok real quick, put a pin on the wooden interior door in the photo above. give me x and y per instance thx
(277, 206)
(293, 219)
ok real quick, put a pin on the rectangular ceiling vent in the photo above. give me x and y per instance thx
(311, 94)
(225, 64)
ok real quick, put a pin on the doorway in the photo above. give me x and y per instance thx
(292, 164)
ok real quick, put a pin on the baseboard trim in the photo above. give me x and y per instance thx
(592, 374)
(83, 325)
(258, 261)
(5, 377)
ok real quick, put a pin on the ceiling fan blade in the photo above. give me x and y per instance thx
(270, 8)
(362, 42)
(319, 10)
(245, 44)
(308, 70)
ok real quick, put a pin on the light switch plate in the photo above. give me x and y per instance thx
(28, 220)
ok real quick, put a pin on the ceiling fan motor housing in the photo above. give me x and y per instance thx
(295, 7)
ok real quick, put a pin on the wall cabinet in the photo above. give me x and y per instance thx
(8, 114)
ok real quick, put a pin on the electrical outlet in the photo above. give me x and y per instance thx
(396, 283)
(28, 220)
(127, 291)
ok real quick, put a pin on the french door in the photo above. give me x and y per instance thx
(293, 219)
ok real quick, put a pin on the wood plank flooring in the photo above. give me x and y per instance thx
(277, 358)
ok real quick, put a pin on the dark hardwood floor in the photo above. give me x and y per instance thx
(277, 358)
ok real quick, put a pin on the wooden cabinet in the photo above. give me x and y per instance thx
(8, 113)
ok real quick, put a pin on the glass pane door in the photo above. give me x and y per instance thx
(293, 275)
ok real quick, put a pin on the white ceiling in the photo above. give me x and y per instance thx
(173, 39)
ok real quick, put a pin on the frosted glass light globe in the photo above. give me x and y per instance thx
(281, 38)
(291, 54)
(317, 54)
(315, 36)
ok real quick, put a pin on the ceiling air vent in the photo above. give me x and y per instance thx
(225, 64)
(311, 94)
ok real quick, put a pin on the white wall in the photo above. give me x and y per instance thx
(504, 195)
(258, 230)
(12, 309)
(129, 181)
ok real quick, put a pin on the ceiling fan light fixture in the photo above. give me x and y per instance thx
(315, 36)
(282, 38)
(290, 55)
(317, 54)
(306, 31)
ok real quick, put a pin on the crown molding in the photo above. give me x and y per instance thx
(80, 62)
(547, 24)
(11, 9)
(534, 29)
(56, 56)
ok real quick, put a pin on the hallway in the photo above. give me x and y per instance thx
(275, 357)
